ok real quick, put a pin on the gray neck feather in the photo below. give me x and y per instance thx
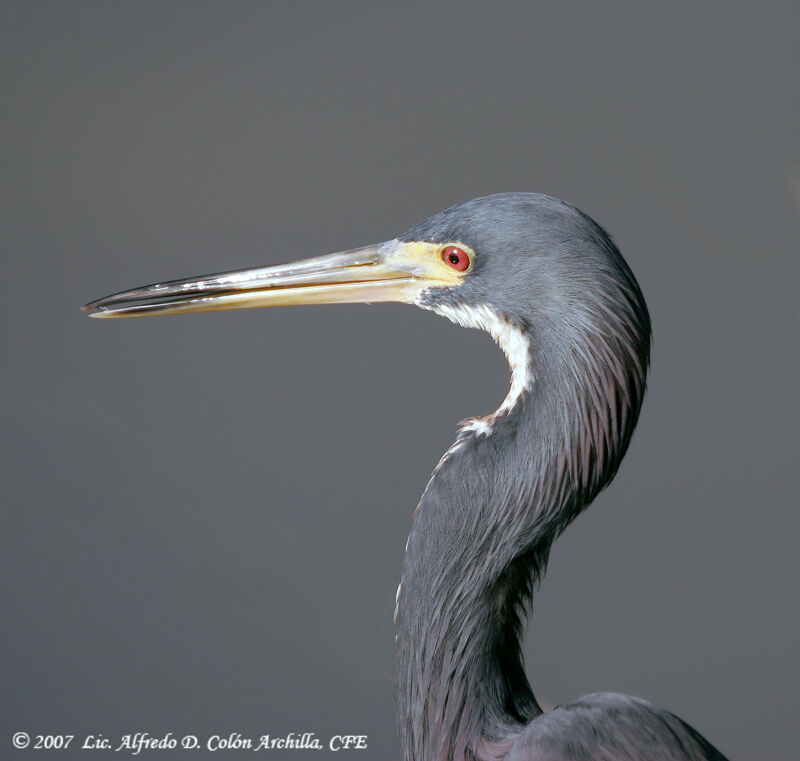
(482, 532)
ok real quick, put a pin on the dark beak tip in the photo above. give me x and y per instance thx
(91, 306)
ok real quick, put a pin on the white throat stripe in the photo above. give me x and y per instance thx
(512, 341)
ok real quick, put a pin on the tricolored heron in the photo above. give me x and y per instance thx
(554, 292)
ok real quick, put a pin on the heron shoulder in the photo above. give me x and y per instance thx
(610, 727)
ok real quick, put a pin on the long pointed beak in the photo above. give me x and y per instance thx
(390, 271)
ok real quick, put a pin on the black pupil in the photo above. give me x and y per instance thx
(454, 258)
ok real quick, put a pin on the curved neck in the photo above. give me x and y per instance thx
(479, 542)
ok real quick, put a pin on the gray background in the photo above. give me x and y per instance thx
(203, 517)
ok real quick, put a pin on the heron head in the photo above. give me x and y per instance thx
(529, 259)
(534, 261)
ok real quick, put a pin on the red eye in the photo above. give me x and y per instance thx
(456, 257)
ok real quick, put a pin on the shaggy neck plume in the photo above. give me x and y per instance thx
(483, 529)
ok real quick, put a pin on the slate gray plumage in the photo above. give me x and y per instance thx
(484, 526)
